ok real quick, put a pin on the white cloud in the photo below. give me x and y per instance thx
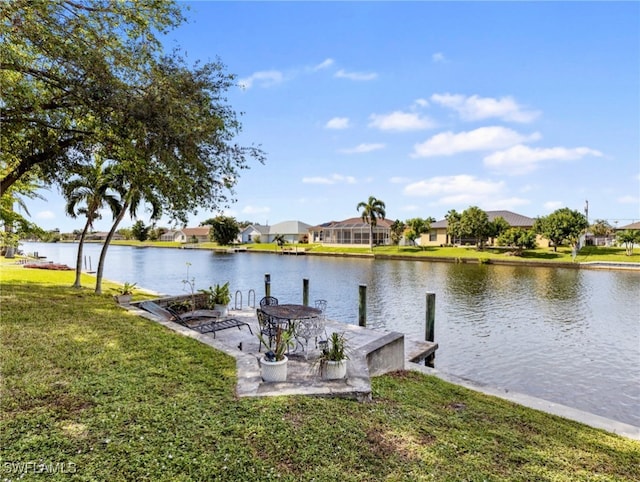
(333, 179)
(455, 190)
(400, 121)
(477, 108)
(521, 159)
(438, 57)
(337, 123)
(324, 65)
(256, 210)
(360, 148)
(360, 76)
(421, 102)
(551, 206)
(481, 139)
(46, 215)
(265, 78)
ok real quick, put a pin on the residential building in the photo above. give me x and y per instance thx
(438, 235)
(291, 231)
(187, 235)
(352, 231)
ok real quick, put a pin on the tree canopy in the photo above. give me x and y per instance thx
(562, 225)
(418, 226)
(224, 229)
(628, 238)
(80, 77)
(474, 223)
(68, 69)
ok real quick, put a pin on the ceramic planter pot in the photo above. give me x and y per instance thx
(334, 370)
(274, 371)
(123, 299)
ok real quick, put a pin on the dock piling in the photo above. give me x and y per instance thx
(362, 306)
(430, 324)
(305, 291)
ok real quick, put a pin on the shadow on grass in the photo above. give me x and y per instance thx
(537, 255)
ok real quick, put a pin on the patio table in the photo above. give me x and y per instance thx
(303, 319)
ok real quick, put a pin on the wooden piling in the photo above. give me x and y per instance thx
(362, 306)
(305, 291)
(430, 323)
(267, 284)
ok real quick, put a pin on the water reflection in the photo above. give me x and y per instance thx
(570, 336)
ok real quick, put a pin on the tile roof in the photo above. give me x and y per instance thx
(630, 226)
(515, 220)
(352, 223)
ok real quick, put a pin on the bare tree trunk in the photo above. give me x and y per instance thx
(105, 246)
(77, 283)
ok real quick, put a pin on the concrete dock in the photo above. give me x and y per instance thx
(372, 353)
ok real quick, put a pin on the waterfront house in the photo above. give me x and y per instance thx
(254, 233)
(351, 232)
(291, 231)
(187, 235)
(438, 235)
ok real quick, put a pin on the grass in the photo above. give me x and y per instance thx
(121, 398)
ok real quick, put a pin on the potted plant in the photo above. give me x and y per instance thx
(333, 357)
(124, 293)
(219, 297)
(273, 366)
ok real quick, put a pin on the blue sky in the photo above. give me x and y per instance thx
(427, 106)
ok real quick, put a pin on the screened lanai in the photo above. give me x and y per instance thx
(351, 231)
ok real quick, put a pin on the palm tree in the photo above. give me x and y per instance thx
(132, 197)
(372, 210)
(93, 186)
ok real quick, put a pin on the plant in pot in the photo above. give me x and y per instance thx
(219, 297)
(125, 293)
(333, 357)
(273, 366)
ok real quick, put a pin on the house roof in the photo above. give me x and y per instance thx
(514, 220)
(353, 223)
(290, 227)
(630, 226)
(256, 227)
(199, 231)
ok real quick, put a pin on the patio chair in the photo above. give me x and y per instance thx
(268, 300)
(201, 324)
(267, 327)
(321, 320)
(321, 305)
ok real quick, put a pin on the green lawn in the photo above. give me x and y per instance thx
(117, 397)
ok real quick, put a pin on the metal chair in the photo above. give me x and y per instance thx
(267, 327)
(321, 320)
(321, 305)
(268, 301)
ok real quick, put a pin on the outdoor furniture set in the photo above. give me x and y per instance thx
(305, 322)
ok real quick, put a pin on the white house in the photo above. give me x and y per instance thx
(187, 235)
(292, 232)
(253, 233)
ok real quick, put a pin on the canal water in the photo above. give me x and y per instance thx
(565, 335)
